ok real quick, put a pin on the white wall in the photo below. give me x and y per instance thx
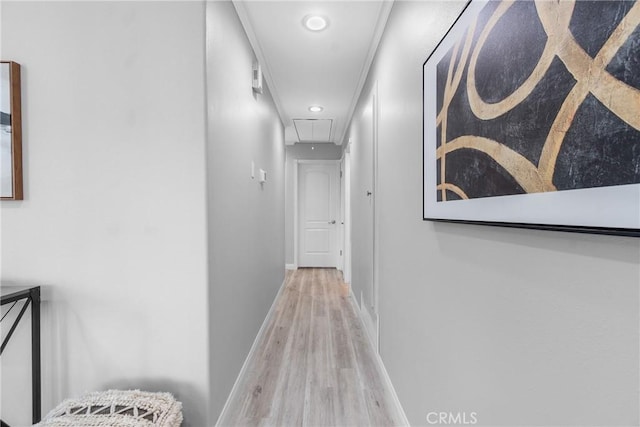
(301, 151)
(113, 224)
(522, 327)
(246, 219)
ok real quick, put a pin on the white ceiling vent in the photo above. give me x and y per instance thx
(313, 130)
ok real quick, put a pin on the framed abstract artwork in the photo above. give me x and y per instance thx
(532, 117)
(10, 132)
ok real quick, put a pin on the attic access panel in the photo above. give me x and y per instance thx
(313, 130)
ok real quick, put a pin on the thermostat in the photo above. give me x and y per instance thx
(257, 78)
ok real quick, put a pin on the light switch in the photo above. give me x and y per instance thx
(263, 176)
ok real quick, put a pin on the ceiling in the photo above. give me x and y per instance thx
(303, 68)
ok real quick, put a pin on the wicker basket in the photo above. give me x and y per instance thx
(117, 408)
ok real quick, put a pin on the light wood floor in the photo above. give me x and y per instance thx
(314, 364)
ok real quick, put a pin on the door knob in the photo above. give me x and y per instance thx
(332, 222)
(369, 193)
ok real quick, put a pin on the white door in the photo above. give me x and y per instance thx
(341, 219)
(346, 196)
(318, 186)
(364, 274)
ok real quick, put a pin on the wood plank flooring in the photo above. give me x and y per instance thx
(314, 364)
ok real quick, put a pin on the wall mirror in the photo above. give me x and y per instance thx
(10, 132)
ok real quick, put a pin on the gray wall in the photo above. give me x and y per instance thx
(301, 151)
(113, 223)
(246, 219)
(522, 327)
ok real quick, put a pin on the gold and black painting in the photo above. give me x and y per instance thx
(528, 99)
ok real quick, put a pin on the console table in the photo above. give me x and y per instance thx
(21, 298)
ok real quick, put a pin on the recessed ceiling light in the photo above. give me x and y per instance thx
(315, 108)
(315, 22)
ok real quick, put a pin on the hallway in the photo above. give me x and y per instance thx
(313, 363)
(172, 197)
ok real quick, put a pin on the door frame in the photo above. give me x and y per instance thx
(376, 215)
(345, 211)
(296, 206)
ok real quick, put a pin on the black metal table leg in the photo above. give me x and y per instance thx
(31, 297)
(35, 355)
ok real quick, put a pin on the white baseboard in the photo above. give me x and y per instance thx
(234, 389)
(290, 266)
(394, 396)
(385, 374)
